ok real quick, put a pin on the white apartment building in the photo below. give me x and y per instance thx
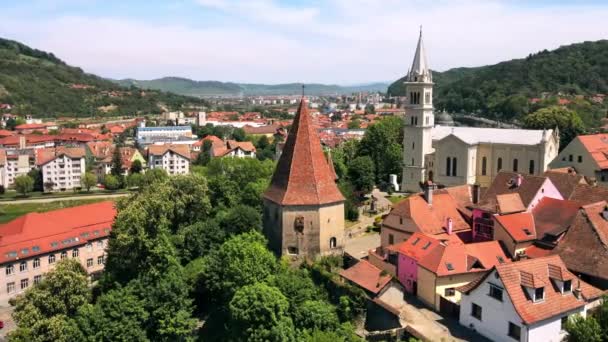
(62, 166)
(166, 134)
(175, 159)
(14, 163)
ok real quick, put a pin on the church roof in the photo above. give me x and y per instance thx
(303, 176)
(420, 65)
(477, 135)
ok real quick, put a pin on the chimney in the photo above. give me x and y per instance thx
(22, 142)
(577, 291)
(476, 193)
(449, 225)
(519, 180)
(428, 192)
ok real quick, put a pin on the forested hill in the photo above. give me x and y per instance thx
(503, 89)
(37, 82)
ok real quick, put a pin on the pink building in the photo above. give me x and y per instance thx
(31, 244)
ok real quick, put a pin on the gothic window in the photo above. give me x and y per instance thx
(413, 145)
(412, 161)
(333, 242)
(454, 166)
(531, 170)
(515, 165)
(299, 224)
(484, 162)
(416, 120)
(412, 121)
(448, 167)
(427, 98)
(499, 165)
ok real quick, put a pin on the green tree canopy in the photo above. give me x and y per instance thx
(568, 122)
(361, 173)
(24, 184)
(88, 180)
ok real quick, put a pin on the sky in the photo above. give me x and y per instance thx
(277, 41)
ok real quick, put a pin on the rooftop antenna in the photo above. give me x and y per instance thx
(303, 86)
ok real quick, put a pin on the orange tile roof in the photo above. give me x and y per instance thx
(505, 183)
(367, 276)
(416, 247)
(46, 155)
(63, 228)
(553, 216)
(5, 133)
(597, 146)
(519, 226)
(457, 258)
(509, 203)
(303, 176)
(536, 273)
(159, 150)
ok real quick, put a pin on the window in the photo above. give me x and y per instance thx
(23, 266)
(51, 258)
(10, 269)
(290, 250)
(64, 255)
(412, 161)
(567, 286)
(570, 158)
(37, 279)
(531, 169)
(74, 253)
(25, 283)
(90, 262)
(476, 311)
(89, 246)
(454, 167)
(100, 243)
(495, 292)
(500, 259)
(580, 159)
(426, 246)
(564, 322)
(413, 145)
(391, 239)
(415, 241)
(515, 165)
(10, 287)
(333, 242)
(539, 294)
(448, 168)
(449, 292)
(514, 331)
(527, 231)
(499, 165)
(400, 220)
(101, 260)
(36, 263)
(484, 164)
(449, 266)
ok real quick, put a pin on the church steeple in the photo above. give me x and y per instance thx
(420, 72)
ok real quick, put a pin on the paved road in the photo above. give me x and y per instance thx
(66, 198)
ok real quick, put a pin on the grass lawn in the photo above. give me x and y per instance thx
(13, 195)
(9, 212)
(348, 223)
(396, 198)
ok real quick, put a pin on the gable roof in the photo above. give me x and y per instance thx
(588, 194)
(537, 273)
(477, 135)
(519, 226)
(367, 276)
(63, 228)
(597, 146)
(509, 203)
(565, 182)
(505, 183)
(303, 176)
(46, 155)
(159, 150)
(456, 258)
(584, 248)
(553, 216)
(416, 247)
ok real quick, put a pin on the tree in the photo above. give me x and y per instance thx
(156, 175)
(583, 329)
(354, 124)
(111, 182)
(361, 173)
(116, 169)
(383, 143)
(569, 123)
(136, 166)
(204, 156)
(238, 134)
(242, 260)
(241, 219)
(49, 185)
(258, 312)
(24, 184)
(135, 180)
(88, 180)
(36, 175)
(315, 314)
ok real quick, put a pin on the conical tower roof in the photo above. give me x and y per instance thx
(303, 176)
(420, 71)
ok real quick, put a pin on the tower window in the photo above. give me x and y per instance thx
(454, 167)
(484, 164)
(413, 145)
(412, 121)
(448, 167)
(412, 161)
(415, 120)
(333, 242)
(515, 165)
(531, 170)
(427, 98)
(299, 224)
(499, 165)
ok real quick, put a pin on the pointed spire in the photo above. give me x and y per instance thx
(420, 72)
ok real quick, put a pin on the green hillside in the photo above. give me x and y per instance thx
(215, 88)
(503, 90)
(37, 82)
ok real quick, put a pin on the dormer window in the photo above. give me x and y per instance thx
(415, 241)
(567, 286)
(539, 294)
(427, 245)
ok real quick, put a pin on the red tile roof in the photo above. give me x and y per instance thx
(537, 273)
(303, 176)
(456, 258)
(519, 226)
(553, 216)
(414, 247)
(159, 150)
(505, 183)
(46, 155)
(565, 181)
(597, 146)
(63, 228)
(367, 276)
(5, 133)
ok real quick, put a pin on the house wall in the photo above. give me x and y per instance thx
(587, 167)
(94, 250)
(398, 235)
(173, 163)
(454, 281)
(407, 272)
(64, 172)
(546, 190)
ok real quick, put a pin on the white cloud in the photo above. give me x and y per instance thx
(336, 41)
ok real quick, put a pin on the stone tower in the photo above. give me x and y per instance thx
(303, 208)
(419, 121)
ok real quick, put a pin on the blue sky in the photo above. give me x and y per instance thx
(274, 41)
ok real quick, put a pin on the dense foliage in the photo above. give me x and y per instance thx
(36, 82)
(502, 90)
(593, 328)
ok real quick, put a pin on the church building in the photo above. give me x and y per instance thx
(303, 207)
(462, 155)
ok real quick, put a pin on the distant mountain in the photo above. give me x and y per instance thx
(503, 89)
(189, 87)
(39, 83)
